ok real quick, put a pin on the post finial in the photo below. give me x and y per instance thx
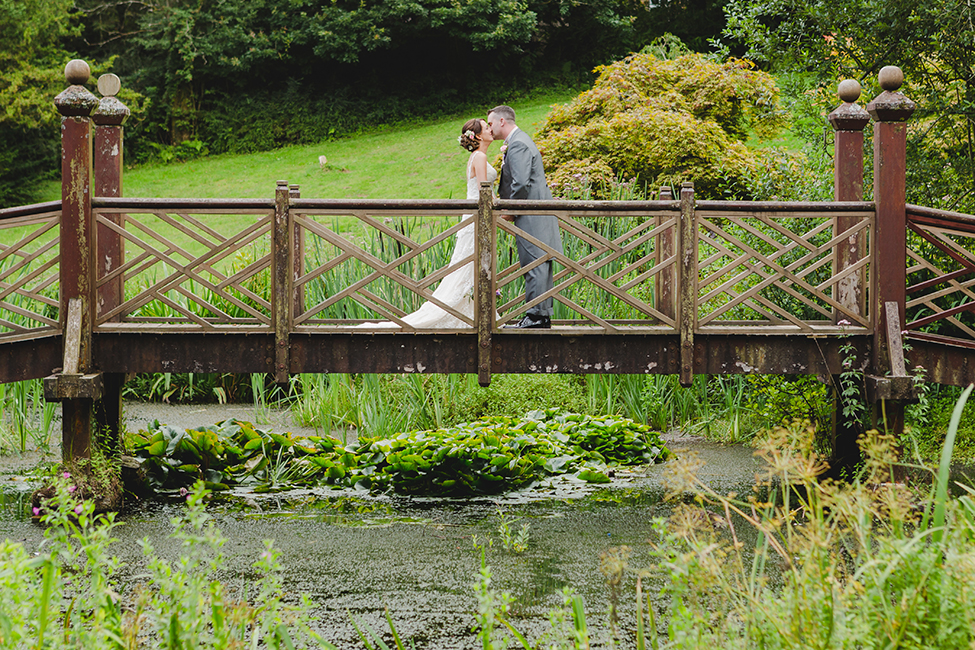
(890, 77)
(848, 116)
(76, 100)
(109, 85)
(77, 72)
(110, 111)
(891, 105)
(849, 90)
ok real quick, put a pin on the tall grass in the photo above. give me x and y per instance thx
(26, 419)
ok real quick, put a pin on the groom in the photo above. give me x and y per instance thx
(523, 177)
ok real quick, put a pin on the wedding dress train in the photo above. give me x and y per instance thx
(456, 288)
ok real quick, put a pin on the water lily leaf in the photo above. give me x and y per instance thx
(592, 476)
(157, 448)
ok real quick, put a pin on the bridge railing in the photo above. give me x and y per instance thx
(29, 255)
(941, 276)
(206, 265)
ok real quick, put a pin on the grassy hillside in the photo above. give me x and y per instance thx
(413, 161)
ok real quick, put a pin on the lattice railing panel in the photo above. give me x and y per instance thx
(29, 249)
(372, 267)
(609, 272)
(778, 269)
(941, 275)
(191, 269)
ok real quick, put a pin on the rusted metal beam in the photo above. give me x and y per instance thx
(484, 281)
(30, 358)
(381, 352)
(687, 302)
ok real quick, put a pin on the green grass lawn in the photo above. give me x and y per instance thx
(402, 162)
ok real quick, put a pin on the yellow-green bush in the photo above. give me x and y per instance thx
(664, 121)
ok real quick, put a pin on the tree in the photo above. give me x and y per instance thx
(932, 42)
(663, 121)
(31, 74)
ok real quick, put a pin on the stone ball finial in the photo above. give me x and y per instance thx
(109, 85)
(76, 72)
(849, 90)
(890, 77)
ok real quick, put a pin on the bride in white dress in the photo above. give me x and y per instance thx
(455, 290)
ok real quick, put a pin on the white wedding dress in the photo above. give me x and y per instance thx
(456, 288)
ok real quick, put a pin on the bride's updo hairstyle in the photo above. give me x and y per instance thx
(470, 135)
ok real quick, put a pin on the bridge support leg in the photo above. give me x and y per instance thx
(890, 110)
(848, 121)
(109, 118)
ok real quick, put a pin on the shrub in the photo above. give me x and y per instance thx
(665, 121)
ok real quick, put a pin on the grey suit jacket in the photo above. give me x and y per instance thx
(523, 177)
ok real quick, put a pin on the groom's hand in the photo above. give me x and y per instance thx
(507, 217)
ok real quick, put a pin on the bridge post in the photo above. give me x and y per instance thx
(77, 278)
(890, 110)
(848, 121)
(298, 258)
(282, 281)
(665, 280)
(687, 305)
(484, 281)
(109, 118)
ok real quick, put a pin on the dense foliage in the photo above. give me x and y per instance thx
(663, 121)
(249, 75)
(31, 58)
(487, 456)
(934, 44)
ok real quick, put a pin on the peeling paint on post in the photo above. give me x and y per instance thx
(666, 280)
(297, 258)
(76, 279)
(848, 121)
(687, 305)
(484, 281)
(109, 119)
(282, 300)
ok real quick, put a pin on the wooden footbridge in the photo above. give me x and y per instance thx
(97, 286)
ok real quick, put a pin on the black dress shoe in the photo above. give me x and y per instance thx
(532, 322)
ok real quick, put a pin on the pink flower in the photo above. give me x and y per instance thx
(72, 488)
(843, 322)
(78, 509)
(36, 511)
(66, 475)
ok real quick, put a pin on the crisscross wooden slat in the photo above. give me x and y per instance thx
(357, 292)
(790, 278)
(196, 269)
(577, 271)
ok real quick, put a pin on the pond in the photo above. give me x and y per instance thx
(360, 554)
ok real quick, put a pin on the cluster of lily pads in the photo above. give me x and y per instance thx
(487, 456)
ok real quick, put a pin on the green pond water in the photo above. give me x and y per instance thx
(362, 554)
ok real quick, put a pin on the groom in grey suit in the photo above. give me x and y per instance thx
(523, 177)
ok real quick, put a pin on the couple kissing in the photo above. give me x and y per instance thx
(522, 177)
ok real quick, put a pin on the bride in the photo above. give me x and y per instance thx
(456, 288)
